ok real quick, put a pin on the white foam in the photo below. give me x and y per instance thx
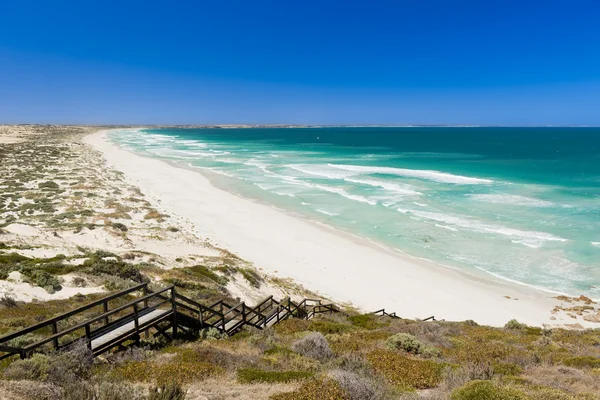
(332, 214)
(447, 227)
(512, 199)
(430, 175)
(347, 195)
(527, 243)
(321, 170)
(596, 244)
(531, 237)
(393, 187)
(419, 204)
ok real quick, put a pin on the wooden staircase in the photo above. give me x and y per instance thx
(165, 312)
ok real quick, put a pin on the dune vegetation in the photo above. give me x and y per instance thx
(73, 231)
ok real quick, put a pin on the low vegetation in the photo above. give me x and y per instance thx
(352, 357)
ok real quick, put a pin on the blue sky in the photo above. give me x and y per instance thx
(321, 62)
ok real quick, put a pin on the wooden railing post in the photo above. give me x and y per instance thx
(88, 336)
(54, 332)
(105, 307)
(174, 306)
(145, 293)
(136, 323)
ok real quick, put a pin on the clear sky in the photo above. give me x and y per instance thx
(510, 62)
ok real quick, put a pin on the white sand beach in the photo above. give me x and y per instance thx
(340, 266)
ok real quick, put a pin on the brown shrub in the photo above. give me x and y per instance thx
(313, 345)
(404, 371)
(318, 389)
(358, 387)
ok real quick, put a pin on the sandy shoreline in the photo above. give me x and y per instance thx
(345, 268)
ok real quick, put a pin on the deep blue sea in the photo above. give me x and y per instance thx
(522, 204)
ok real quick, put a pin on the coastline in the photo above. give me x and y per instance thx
(338, 265)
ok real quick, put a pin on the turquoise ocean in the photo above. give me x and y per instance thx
(521, 204)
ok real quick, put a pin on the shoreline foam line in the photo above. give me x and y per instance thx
(343, 267)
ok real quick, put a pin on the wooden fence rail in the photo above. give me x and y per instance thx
(162, 311)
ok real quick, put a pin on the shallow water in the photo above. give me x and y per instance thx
(522, 204)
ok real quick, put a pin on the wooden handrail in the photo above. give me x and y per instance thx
(48, 322)
(219, 315)
(91, 321)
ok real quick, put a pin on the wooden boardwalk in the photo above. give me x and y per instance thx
(165, 312)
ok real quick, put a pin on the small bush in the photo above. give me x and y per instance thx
(291, 326)
(48, 185)
(116, 268)
(479, 390)
(406, 372)
(72, 365)
(410, 344)
(545, 393)
(79, 282)
(313, 345)
(507, 368)
(514, 324)
(455, 377)
(357, 387)
(173, 229)
(117, 391)
(202, 271)
(582, 362)
(319, 389)
(8, 301)
(182, 371)
(115, 283)
(251, 276)
(81, 390)
(366, 321)
(212, 334)
(406, 342)
(327, 327)
(31, 369)
(119, 226)
(168, 391)
(45, 279)
(253, 375)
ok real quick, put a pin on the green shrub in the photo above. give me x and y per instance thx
(366, 321)
(406, 372)
(253, 375)
(168, 391)
(251, 276)
(31, 369)
(410, 344)
(582, 362)
(116, 268)
(514, 324)
(291, 326)
(278, 350)
(545, 393)
(318, 389)
(507, 368)
(48, 185)
(44, 279)
(329, 327)
(8, 301)
(488, 390)
(202, 271)
(119, 226)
